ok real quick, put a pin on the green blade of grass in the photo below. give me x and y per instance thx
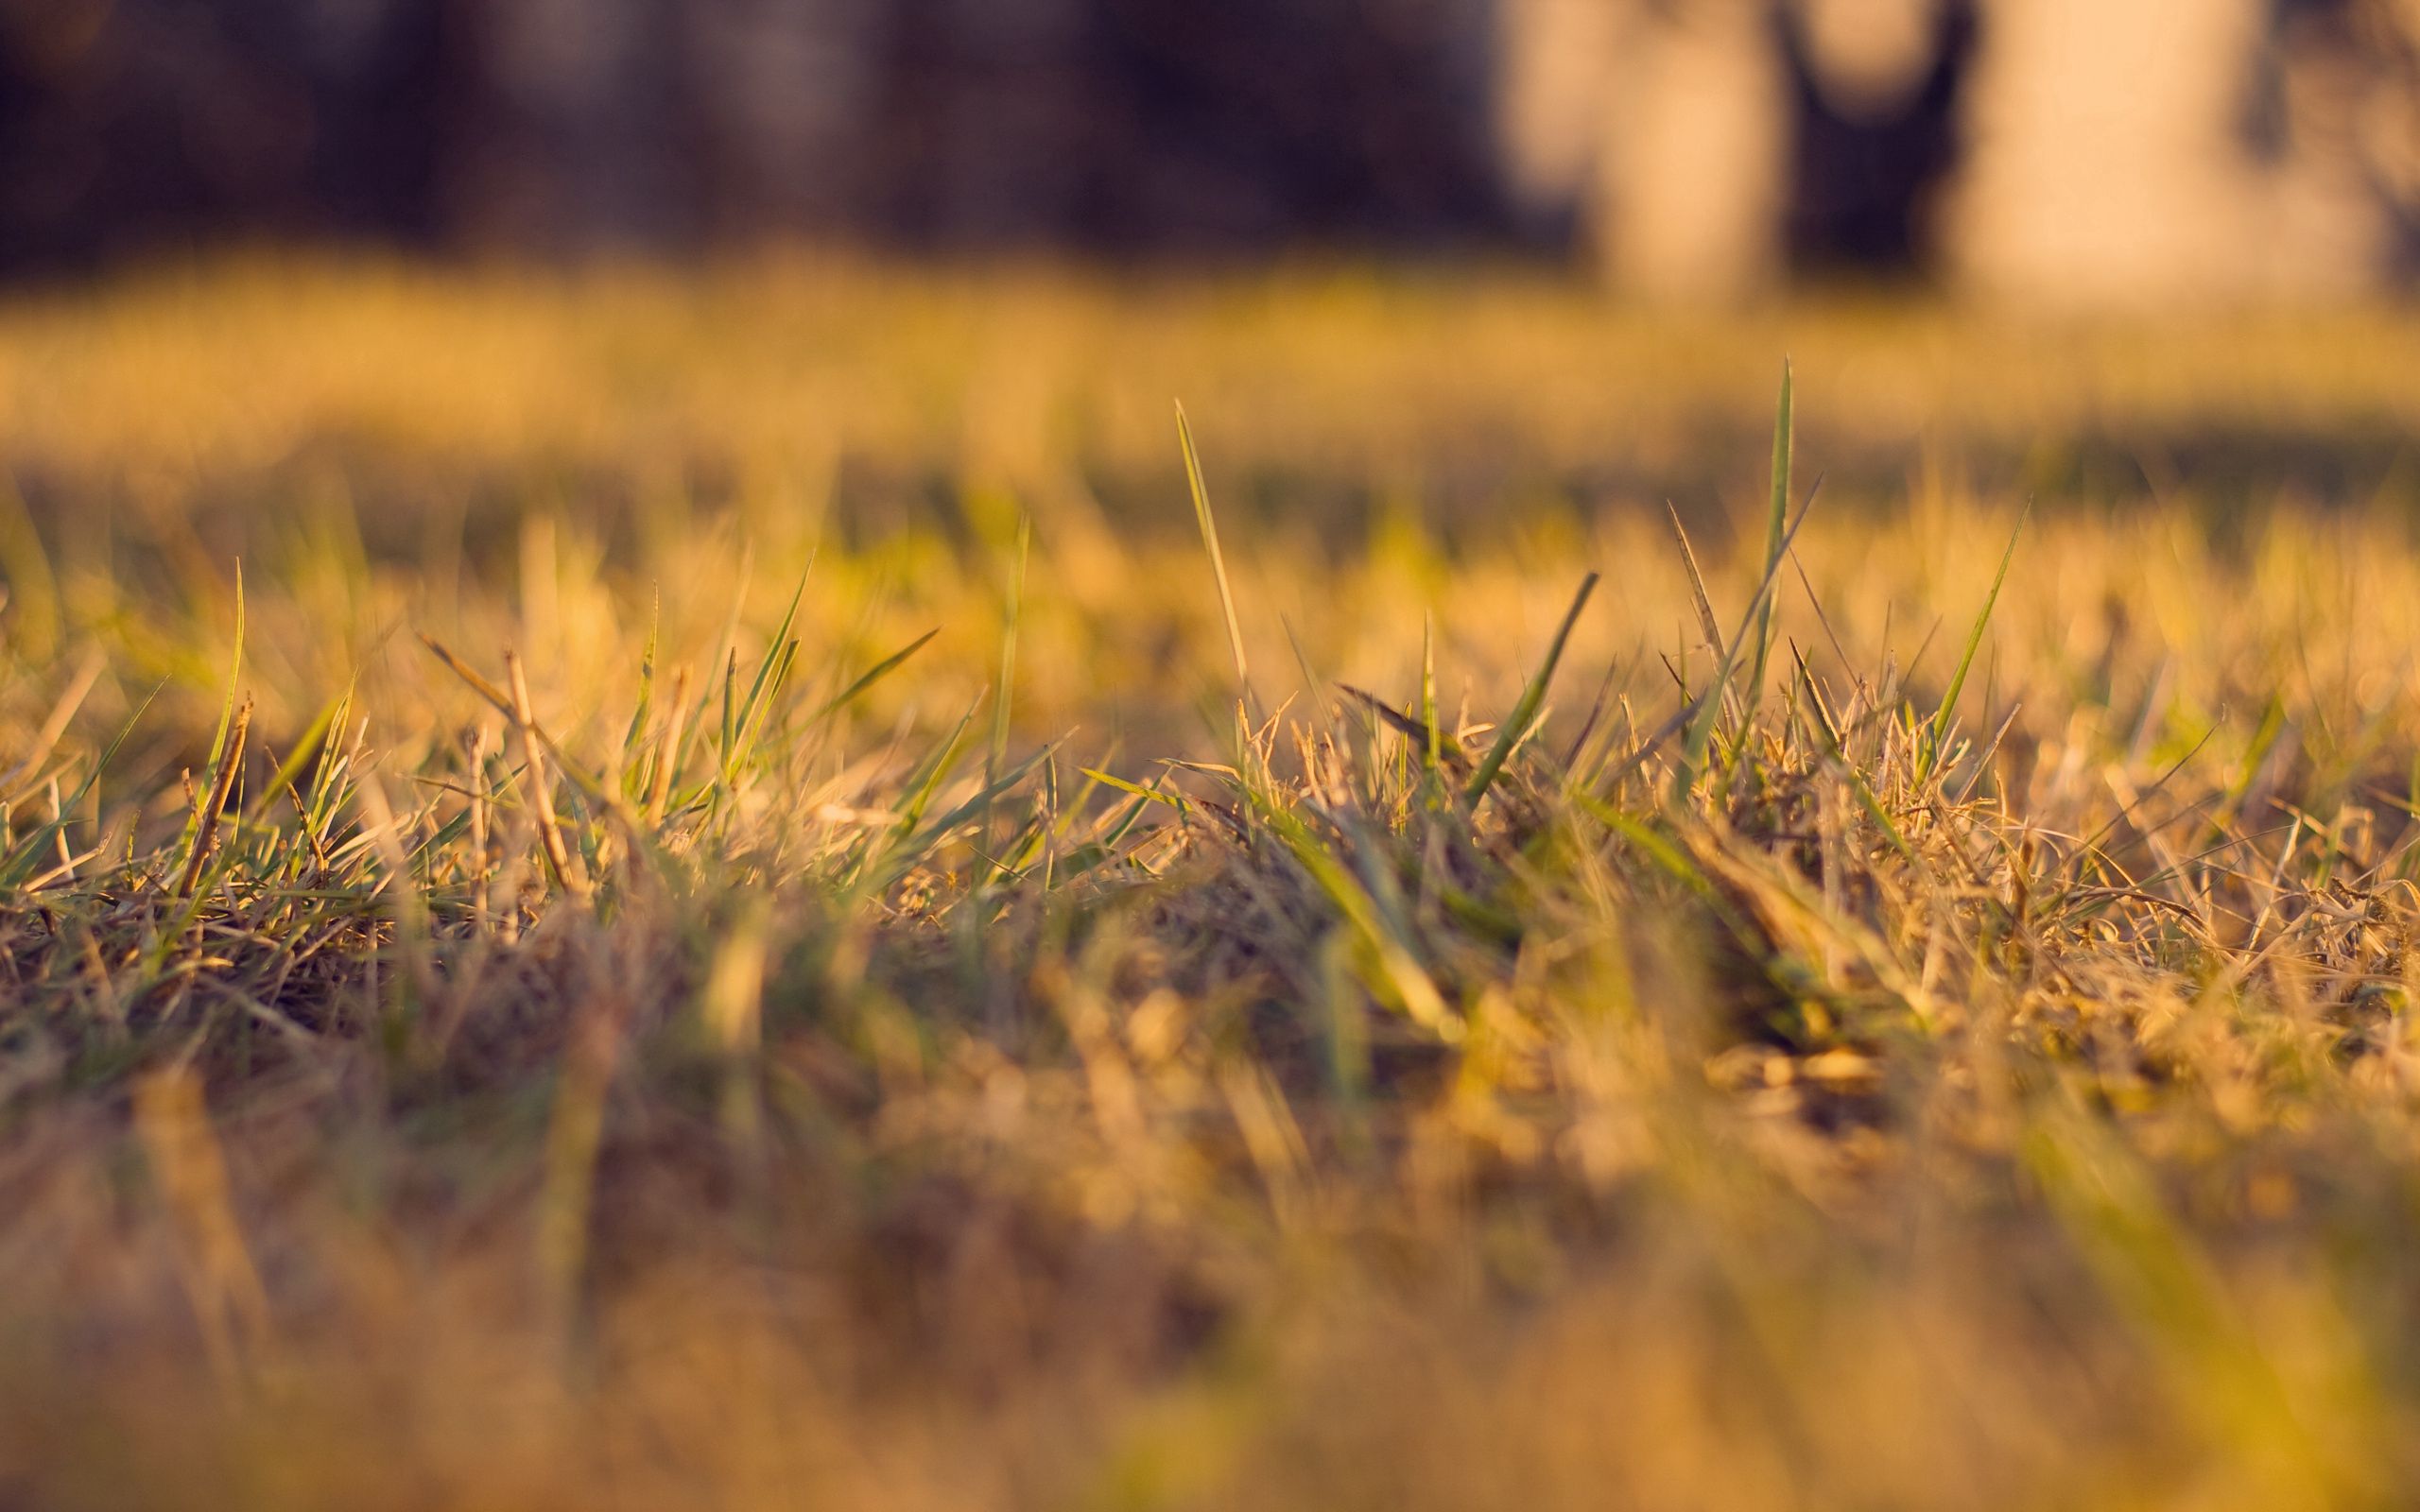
(927, 778)
(1432, 743)
(1003, 699)
(632, 772)
(235, 672)
(1391, 970)
(1422, 735)
(222, 787)
(193, 820)
(1173, 800)
(740, 726)
(875, 674)
(1703, 604)
(916, 837)
(1821, 724)
(782, 659)
(306, 748)
(1776, 522)
(1697, 581)
(730, 734)
(1525, 713)
(19, 863)
(774, 647)
(1702, 717)
(1939, 734)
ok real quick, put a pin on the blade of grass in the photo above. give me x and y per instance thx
(1864, 790)
(1525, 713)
(645, 705)
(542, 792)
(771, 672)
(62, 713)
(194, 821)
(1173, 800)
(1939, 734)
(875, 674)
(1217, 560)
(306, 748)
(1004, 697)
(1704, 605)
(1696, 582)
(667, 747)
(1702, 717)
(1776, 519)
(1422, 736)
(1432, 744)
(1393, 971)
(579, 776)
(231, 760)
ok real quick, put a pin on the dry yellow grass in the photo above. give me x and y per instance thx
(678, 1085)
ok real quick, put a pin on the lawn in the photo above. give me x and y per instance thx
(761, 888)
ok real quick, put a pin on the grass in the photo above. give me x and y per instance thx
(679, 968)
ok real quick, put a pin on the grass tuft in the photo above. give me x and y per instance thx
(707, 1057)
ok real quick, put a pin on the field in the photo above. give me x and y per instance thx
(758, 889)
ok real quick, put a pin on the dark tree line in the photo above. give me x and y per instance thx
(1123, 126)
(543, 124)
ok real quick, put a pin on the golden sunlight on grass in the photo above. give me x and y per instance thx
(707, 922)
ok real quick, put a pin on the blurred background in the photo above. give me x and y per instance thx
(2052, 152)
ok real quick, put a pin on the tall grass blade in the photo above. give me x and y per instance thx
(200, 817)
(1525, 713)
(542, 793)
(874, 674)
(1217, 560)
(20, 862)
(222, 785)
(645, 706)
(741, 723)
(1432, 743)
(1698, 599)
(1776, 519)
(1699, 716)
(1939, 734)
(1703, 604)
(1004, 697)
(1390, 969)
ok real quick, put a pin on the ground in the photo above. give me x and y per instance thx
(649, 889)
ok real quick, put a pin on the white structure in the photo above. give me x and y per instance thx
(2115, 152)
(2111, 164)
